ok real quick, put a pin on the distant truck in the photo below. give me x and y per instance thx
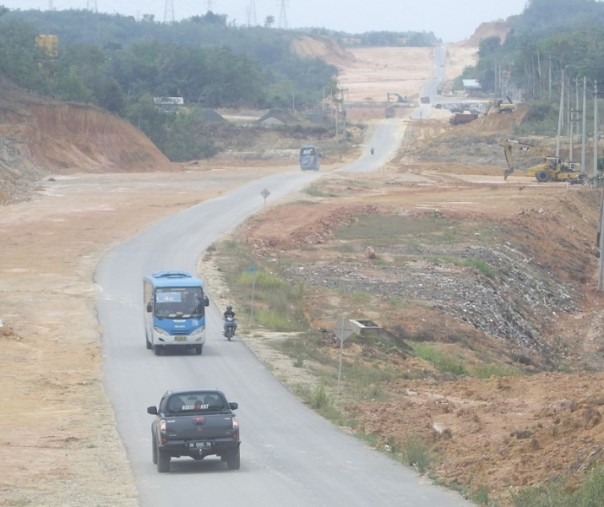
(194, 423)
(309, 158)
(459, 118)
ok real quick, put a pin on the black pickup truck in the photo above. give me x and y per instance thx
(195, 423)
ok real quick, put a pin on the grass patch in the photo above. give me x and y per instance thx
(434, 229)
(557, 493)
(489, 370)
(319, 400)
(477, 265)
(416, 454)
(261, 293)
(443, 363)
(398, 303)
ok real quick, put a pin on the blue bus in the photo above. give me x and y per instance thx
(309, 157)
(175, 305)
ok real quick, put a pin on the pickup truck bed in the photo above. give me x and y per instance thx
(194, 423)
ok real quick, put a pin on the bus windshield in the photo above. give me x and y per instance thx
(309, 157)
(179, 302)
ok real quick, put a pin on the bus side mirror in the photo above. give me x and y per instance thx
(149, 307)
(206, 301)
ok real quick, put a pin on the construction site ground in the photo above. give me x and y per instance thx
(539, 315)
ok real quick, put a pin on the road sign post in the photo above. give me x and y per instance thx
(342, 330)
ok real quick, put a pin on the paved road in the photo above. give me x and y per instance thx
(289, 455)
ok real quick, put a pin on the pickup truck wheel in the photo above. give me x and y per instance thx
(163, 462)
(154, 450)
(198, 349)
(233, 460)
(157, 350)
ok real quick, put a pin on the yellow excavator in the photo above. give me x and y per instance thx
(552, 168)
(501, 106)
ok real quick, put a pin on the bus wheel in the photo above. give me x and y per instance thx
(198, 349)
(158, 350)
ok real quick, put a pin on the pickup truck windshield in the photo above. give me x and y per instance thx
(196, 403)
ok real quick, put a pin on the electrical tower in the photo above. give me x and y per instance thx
(91, 6)
(283, 15)
(251, 14)
(169, 11)
(51, 6)
(209, 9)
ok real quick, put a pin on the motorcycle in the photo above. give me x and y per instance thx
(230, 326)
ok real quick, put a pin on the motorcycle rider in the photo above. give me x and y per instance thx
(228, 313)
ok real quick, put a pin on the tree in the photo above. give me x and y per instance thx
(19, 55)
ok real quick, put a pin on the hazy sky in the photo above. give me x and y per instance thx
(450, 20)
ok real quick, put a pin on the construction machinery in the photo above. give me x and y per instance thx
(501, 106)
(552, 168)
(401, 99)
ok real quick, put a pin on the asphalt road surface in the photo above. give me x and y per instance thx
(289, 455)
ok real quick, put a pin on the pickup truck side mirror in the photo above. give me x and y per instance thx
(149, 307)
(233, 405)
(206, 301)
(152, 410)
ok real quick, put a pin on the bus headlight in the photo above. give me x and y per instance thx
(161, 332)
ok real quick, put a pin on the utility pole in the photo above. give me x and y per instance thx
(596, 132)
(549, 78)
(583, 126)
(574, 120)
(560, 115)
(601, 241)
(573, 116)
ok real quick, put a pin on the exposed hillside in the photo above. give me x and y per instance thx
(40, 137)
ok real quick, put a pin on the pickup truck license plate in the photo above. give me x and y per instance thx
(180, 338)
(200, 445)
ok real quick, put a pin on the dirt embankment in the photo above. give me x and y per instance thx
(493, 275)
(40, 137)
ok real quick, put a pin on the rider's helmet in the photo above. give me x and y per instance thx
(229, 308)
